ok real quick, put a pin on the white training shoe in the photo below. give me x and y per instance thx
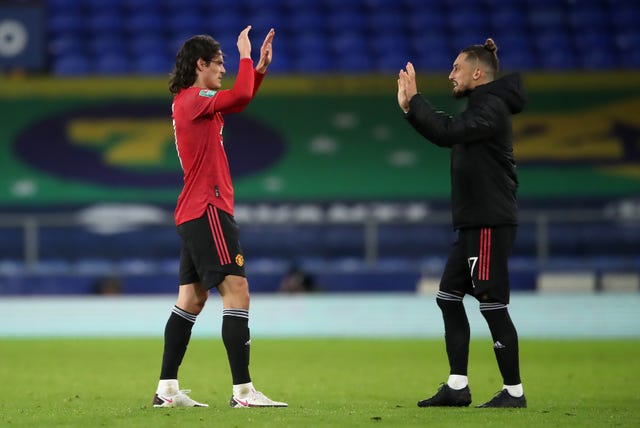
(181, 399)
(254, 399)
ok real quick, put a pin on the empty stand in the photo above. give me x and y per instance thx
(531, 35)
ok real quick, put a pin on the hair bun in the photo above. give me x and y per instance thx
(490, 45)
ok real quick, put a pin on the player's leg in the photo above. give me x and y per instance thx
(192, 297)
(177, 334)
(453, 285)
(234, 289)
(491, 279)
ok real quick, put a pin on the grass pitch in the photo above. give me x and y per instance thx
(327, 382)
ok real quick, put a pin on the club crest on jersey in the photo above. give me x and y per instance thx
(207, 93)
(240, 260)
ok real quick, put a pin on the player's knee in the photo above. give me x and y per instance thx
(235, 290)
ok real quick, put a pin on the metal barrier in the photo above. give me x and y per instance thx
(589, 232)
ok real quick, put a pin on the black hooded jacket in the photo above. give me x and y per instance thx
(483, 170)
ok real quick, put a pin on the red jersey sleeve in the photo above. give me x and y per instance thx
(208, 102)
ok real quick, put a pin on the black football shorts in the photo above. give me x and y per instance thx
(210, 249)
(478, 263)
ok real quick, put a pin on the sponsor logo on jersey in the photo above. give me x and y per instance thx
(207, 93)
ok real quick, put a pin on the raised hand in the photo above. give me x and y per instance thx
(407, 86)
(266, 52)
(244, 44)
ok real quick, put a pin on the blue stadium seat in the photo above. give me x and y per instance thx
(631, 59)
(305, 20)
(147, 43)
(71, 65)
(152, 64)
(584, 19)
(543, 17)
(310, 63)
(590, 25)
(312, 43)
(559, 60)
(552, 41)
(65, 23)
(343, 4)
(101, 6)
(104, 23)
(107, 44)
(385, 21)
(262, 21)
(626, 39)
(349, 43)
(426, 21)
(194, 6)
(344, 20)
(467, 19)
(625, 16)
(473, 36)
(517, 60)
(390, 50)
(144, 22)
(598, 59)
(507, 17)
(356, 62)
(66, 44)
(234, 21)
(112, 63)
(185, 21)
(141, 5)
(433, 60)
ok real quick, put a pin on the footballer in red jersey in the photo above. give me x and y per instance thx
(211, 255)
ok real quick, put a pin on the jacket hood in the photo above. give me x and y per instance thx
(510, 89)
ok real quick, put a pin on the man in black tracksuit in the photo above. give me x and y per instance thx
(483, 199)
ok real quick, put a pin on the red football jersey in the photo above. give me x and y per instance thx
(198, 123)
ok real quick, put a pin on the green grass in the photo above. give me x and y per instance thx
(332, 383)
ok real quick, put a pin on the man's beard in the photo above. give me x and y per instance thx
(460, 94)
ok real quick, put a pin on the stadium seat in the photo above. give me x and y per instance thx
(232, 22)
(383, 21)
(305, 21)
(348, 43)
(507, 17)
(517, 60)
(261, 21)
(345, 20)
(186, 21)
(357, 62)
(542, 18)
(67, 44)
(104, 23)
(144, 22)
(193, 6)
(391, 51)
(106, 44)
(71, 65)
(145, 44)
(589, 25)
(311, 63)
(558, 60)
(65, 23)
(111, 63)
(152, 64)
(582, 18)
(426, 21)
(57, 6)
(625, 16)
(467, 19)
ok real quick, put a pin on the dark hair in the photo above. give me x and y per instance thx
(487, 54)
(184, 71)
